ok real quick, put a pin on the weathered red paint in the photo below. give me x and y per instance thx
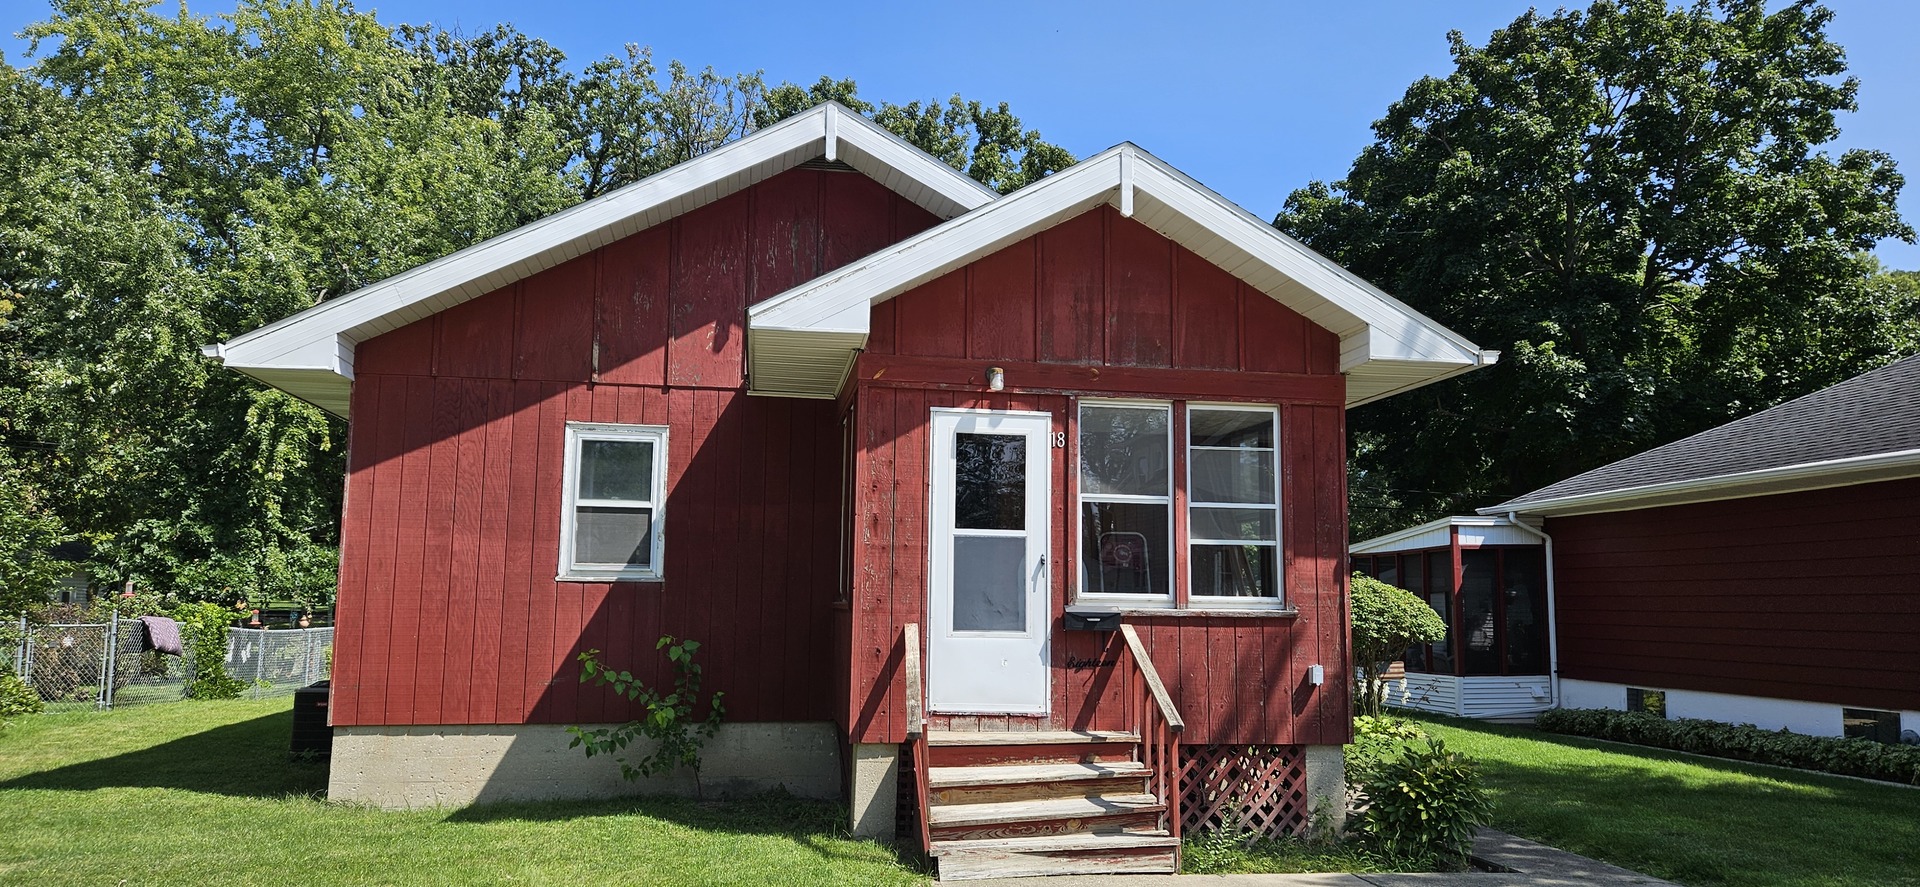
(1804, 596)
(1176, 329)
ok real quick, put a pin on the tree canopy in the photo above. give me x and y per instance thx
(1632, 202)
(172, 180)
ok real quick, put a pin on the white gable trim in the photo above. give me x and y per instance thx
(311, 353)
(1804, 477)
(800, 342)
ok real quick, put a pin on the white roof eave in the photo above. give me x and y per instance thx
(829, 130)
(1377, 331)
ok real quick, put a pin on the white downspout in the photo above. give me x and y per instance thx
(1553, 615)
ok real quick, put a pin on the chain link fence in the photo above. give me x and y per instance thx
(102, 665)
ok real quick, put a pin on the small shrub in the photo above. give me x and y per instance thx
(1376, 740)
(1386, 621)
(1424, 804)
(668, 719)
(1217, 851)
(203, 631)
(16, 698)
(1741, 742)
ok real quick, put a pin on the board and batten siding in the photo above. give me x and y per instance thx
(449, 612)
(1101, 306)
(1812, 596)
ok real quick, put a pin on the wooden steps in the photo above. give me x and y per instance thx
(1010, 805)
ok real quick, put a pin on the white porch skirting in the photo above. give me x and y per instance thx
(1489, 697)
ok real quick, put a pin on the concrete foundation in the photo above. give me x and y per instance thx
(1326, 790)
(873, 783)
(407, 767)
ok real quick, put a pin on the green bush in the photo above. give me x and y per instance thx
(1376, 740)
(668, 720)
(1424, 804)
(1742, 742)
(1386, 621)
(203, 631)
(16, 698)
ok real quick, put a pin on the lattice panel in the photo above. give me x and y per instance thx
(1262, 788)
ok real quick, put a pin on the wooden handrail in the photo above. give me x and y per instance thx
(916, 706)
(1152, 679)
(917, 730)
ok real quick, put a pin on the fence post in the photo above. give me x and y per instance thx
(260, 664)
(106, 660)
(20, 654)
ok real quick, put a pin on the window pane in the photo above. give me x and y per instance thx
(1123, 548)
(1231, 428)
(1477, 627)
(989, 583)
(616, 469)
(1232, 476)
(1251, 524)
(990, 481)
(613, 536)
(1525, 591)
(1235, 571)
(1440, 597)
(1123, 451)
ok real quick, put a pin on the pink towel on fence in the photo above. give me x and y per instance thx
(163, 634)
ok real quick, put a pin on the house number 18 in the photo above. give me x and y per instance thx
(1059, 439)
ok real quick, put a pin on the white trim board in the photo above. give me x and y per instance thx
(310, 354)
(800, 341)
(1800, 478)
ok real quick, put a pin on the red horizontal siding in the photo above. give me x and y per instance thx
(449, 611)
(1807, 596)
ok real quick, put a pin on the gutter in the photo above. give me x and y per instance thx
(1553, 614)
(1790, 478)
(217, 351)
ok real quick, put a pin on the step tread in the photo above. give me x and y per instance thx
(947, 815)
(1016, 774)
(1057, 843)
(954, 738)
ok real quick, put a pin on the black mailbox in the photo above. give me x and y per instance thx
(1093, 620)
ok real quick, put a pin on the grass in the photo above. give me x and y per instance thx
(1699, 821)
(1210, 854)
(203, 793)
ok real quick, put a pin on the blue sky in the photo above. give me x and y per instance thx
(1253, 99)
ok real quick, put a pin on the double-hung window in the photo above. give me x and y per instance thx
(610, 528)
(1128, 518)
(1233, 504)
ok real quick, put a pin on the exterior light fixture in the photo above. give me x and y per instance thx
(1316, 674)
(996, 379)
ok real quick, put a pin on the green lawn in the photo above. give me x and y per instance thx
(202, 793)
(1698, 821)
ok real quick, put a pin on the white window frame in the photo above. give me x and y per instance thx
(1199, 601)
(1081, 497)
(577, 433)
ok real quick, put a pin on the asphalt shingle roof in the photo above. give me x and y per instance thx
(1870, 414)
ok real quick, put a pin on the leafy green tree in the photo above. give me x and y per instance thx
(1631, 201)
(1386, 621)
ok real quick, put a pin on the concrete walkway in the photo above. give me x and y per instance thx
(1526, 863)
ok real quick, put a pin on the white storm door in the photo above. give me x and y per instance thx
(988, 602)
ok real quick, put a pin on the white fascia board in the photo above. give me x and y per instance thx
(1375, 328)
(1380, 544)
(1799, 478)
(524, 251)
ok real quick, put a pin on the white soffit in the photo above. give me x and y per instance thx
(310, 354)
(799, 343)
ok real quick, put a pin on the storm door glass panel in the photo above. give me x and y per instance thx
(1233, 517)
(1478, 622)
(989, 590)
(1524, 593)
(1414, 580)
(1126, 500)
(990, 481)
(1440, 597)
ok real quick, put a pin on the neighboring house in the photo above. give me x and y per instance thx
(1766, 571)
(834, 410)
(1486, 577)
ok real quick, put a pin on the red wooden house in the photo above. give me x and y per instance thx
(945, 483)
